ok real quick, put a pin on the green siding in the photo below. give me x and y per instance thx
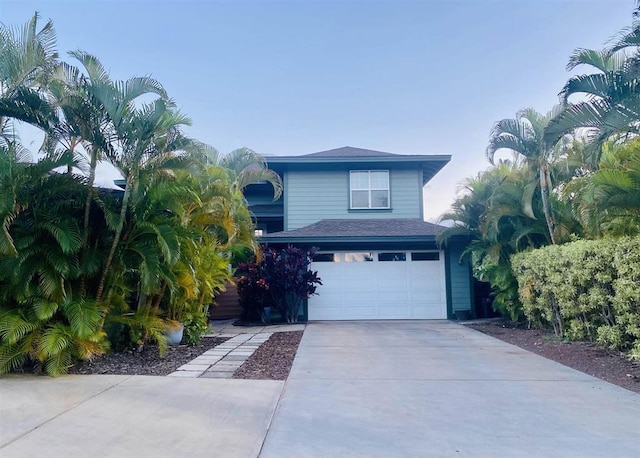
(324, 194)
(459, 276)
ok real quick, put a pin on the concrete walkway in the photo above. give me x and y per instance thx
(438, 389)
(134, 416)
(224, 359)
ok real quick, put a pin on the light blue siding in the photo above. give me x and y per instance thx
(324, 194)
(459, 278)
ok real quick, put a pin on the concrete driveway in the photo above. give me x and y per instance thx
(422, 389)
(365, 389)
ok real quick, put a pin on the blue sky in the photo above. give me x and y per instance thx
(294, 77)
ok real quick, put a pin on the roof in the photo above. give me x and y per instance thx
(347, 155)
(349, 151)
(379, 229)
(351, 154)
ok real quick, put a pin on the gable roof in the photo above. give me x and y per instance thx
(343, 229)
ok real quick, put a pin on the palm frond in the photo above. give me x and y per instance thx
(85, 317)
(605, 61)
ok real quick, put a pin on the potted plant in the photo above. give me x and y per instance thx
(176, 314)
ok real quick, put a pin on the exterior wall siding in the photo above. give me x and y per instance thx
(324, 194)
(460, 279)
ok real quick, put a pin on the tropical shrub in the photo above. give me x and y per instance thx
(290, 279)
(584, 290)
(253, 291)
(282, 279)
(196, 325)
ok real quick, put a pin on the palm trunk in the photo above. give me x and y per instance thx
(544, 192)
(87, 211)
(87, 203)
(116, 238)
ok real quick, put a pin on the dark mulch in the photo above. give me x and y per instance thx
(273, 359)
(609, 365)
(147, 361)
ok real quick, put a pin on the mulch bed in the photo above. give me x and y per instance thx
(273, 359)
(611, 366)
(146, 362)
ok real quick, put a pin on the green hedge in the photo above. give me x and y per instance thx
(588, 289)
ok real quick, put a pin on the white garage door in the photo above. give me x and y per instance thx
(379, 285)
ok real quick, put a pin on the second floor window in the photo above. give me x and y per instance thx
(369, 189)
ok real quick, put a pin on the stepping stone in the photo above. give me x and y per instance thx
(194, 367)
(217, 368)
(227, 364)
(208, 361)
(236, 358)
(217, 375)
(185, 374)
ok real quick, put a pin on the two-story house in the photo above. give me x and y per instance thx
(363, 209)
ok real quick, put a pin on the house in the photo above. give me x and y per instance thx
(363, 210)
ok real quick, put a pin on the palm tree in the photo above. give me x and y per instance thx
(489, 212)
(41, 318)
(84, 120)
(612, 107)
(27, 60)
(244, 167)
(148, 144)
(524, 136)
(608, 201)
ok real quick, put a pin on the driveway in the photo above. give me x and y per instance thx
(421, 389)
(366, 389)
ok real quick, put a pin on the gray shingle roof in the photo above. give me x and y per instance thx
(349, 151)
(336, 228)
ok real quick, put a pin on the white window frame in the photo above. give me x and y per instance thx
(369, 189)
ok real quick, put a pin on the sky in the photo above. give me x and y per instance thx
(297, 77)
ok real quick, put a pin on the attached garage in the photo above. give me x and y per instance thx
(379, 285)
(381, 269)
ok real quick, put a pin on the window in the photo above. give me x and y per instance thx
(358, 257)
(384, 257)
(258, 232)
(325, 257)
(430, 256)
(369, 188)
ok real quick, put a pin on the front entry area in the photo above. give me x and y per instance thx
(379, 285)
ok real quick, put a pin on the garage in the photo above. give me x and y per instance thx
(379, 285)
